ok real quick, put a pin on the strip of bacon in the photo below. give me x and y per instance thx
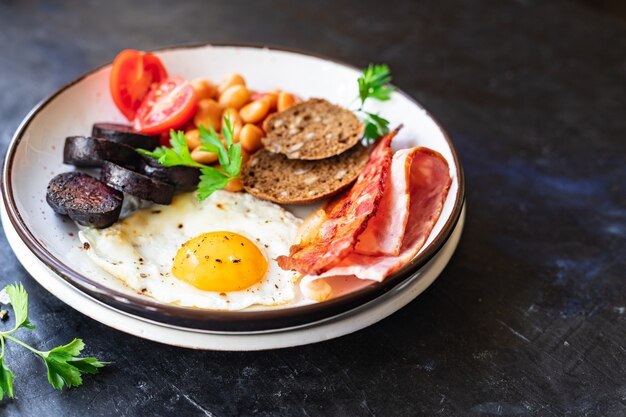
(384, 232)
(346, 218)
(429, 184)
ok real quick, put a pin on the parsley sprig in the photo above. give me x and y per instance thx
(64, 365)
(211, 178)
(374, 84)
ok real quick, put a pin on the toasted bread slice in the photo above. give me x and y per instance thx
(274, 177)
(314, 129)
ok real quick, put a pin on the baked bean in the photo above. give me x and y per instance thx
(250, 137)
(272, 100)
(271, 97)
(235, 122)
(237, 133)
(254, 112)
(235, 96)
(193, 138)
(234, 185)
(233, 115)
(203, 157)
(245, 156)
(285, 100)
(262, 122)
(209, 113)
(229, 81)
(204, 89)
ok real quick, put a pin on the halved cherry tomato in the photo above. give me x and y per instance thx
(167, 106)
(132, 75)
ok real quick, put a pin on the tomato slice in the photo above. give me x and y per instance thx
(167, 106)
(132, 75)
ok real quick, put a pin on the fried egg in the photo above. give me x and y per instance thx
(216, 254)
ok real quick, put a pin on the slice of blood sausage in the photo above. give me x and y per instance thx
(87, 151)
(124, 134)
(85, 199)
(183, 178)
(139, 185)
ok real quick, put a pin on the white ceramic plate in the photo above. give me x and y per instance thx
(35, 156)
(336, 326)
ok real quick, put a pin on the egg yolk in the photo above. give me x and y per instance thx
(220, 261)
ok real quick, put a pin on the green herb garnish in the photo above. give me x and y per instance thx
(64, 365)
(211, 178)
(374, 84)
(177, 155)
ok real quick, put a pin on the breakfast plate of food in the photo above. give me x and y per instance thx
(247, 197)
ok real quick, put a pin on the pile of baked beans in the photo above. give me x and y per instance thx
(247, 110)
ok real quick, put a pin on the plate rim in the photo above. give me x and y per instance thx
(208, 319)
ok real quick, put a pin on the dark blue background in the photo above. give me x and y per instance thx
(528, 318)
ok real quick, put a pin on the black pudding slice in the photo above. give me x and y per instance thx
(183, 178)
(87, 151)
(124, 134)
(84, 199)
(139, 185)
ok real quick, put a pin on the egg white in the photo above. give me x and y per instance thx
(139, 250)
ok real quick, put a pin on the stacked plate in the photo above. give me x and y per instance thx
(48, 248)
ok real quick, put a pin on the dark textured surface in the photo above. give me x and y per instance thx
(529, 317)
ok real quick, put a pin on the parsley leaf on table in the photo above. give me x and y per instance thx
(63, 364)
(19, 301)
(6, 377)
(64, 367)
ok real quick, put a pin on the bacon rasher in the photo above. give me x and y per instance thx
(428, 176)
(344, 219)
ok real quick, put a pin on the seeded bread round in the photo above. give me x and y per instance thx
(274, 177)
(314, 129)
